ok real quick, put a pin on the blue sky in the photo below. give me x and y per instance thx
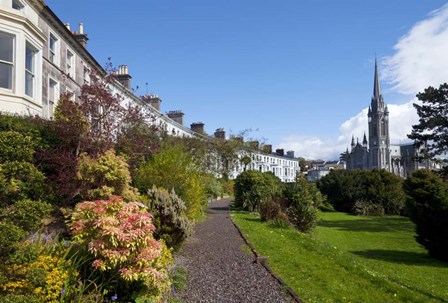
(301, 72)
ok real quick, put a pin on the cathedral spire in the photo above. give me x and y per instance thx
(364, 140)
(376, 84)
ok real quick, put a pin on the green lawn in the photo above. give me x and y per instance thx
(350, 259)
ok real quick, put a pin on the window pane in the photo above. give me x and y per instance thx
(29, 59)
(6, 75)
(6, 47)
(29, 83)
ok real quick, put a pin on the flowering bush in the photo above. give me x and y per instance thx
(119, 237)
(43, 277)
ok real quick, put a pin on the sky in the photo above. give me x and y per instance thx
(294, 74)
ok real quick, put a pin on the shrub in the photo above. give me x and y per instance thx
(280, 221)
(304, 200)
(269, 210)
(27, 214)
(170, 218)
(16, 147)
(44, 277)
(344, 188)
(14, 298)
(119, 237)
(20, 180)
(213, 188)
(105, 175)
(366, 208)
(427, 205)
(253, 188)
(10, 234)
(174, 168)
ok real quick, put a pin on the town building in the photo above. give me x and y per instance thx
(42, 58)
(377, 151)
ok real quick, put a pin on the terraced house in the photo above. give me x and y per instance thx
(41, 58)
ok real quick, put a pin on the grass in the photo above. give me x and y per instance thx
(350, 259)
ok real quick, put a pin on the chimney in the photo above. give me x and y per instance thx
(267, 148)
(280, 151)
(290, 153)
(153, 100)
(198, 127)
(177, 116)
(220, 133)
(79, 35)
(123, 76)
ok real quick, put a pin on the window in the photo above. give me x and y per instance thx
(6, 60)
(30, 70)
(16, 4)
(53, 96)
(53, 49)
(86, 75)
(70, 64)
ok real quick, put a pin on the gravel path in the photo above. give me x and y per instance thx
(221, 267)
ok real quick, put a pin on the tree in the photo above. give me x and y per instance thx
(428, 208)
(432, 130)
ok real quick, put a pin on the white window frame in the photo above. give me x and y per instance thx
(12, 63)
(52, 101)
(53, 54)
(86, 74)
(32, 73)
(70, 63)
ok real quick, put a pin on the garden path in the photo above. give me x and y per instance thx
(220, 266)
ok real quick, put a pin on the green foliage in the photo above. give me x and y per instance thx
(170, 217)
(19, 181)
(304, 203)
(380, 188)
(174, 168)
(26, 126)
(10, 234)
(178, 276)
(269, 210)
(428, 208)
(15, 146)
(365, 208)
(432, 129)
(212, 186)
(253, 188)
(15, 298)
(26, 214)
(105, 175)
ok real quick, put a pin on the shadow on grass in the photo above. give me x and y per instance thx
(401, 257)
(371, 224)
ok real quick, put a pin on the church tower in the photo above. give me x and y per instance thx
(378, 117)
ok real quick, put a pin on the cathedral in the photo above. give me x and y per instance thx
(378, 152)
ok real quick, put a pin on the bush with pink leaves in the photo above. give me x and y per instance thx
(119, 238)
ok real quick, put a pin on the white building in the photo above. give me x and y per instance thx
(285, 167)
(41, 58)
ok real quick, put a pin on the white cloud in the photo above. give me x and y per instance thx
(420, 59)
(401, 117)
